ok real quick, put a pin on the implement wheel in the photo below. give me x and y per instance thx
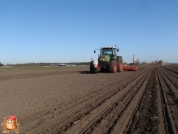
(113, 66)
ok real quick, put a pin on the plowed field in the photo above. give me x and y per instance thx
(73, 101)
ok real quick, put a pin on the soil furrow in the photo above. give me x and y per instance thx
(141, 113)
(73, 101)
(73, 121)
(172, 97)
(168, 115)
(162, 127)
(171, 78)
(173, 92)
(83, 104)
(173, 70)
(108, 107)
(122, 104)
(124, 120)
(146, 115)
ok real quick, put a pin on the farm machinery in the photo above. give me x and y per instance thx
(130, 67)
(107, 61)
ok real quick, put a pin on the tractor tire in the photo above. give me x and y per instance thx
(119, 67)
(93, 71)
(113, 66)
(102, 70)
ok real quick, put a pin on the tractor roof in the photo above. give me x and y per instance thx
(108, 47)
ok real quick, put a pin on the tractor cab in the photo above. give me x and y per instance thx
(108, 53)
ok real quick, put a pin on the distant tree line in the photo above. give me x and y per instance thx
(1, 64)
(78, 63)
(32, 64)
(137, 62)
(156, 62)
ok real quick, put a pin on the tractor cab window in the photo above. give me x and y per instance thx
(107, 52)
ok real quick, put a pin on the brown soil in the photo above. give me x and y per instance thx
(73, 101)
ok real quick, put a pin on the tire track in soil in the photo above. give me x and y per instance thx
(171, 94)
(145, 119)
(68, 113)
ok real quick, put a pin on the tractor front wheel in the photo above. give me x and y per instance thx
(113, 66)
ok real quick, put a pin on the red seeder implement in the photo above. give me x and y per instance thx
(130, 67)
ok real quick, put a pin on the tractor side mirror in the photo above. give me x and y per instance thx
(94, 51)
(117, 49)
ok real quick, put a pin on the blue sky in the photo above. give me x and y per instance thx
(69, 30)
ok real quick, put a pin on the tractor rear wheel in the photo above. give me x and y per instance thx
(113, 66)
(119, 67)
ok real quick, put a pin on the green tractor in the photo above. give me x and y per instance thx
(107, 61)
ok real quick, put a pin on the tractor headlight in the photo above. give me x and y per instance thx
(102, 59)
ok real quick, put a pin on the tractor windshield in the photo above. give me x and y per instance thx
(108, 51)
